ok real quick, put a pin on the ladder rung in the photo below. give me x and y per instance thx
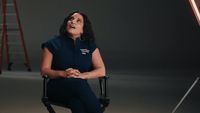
(10, 14)
(13, 43)
(10, 24)
(9, 4)
(13, 34)
(19, 59)
(12, 29)
(16, 53)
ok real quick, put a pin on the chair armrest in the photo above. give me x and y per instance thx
(45, 79)
(103, 83)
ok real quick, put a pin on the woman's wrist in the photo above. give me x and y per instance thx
(84, 75)
(62, 74)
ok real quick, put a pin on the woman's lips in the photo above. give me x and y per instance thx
(72, 27)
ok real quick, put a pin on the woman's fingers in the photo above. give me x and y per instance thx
(72, 72)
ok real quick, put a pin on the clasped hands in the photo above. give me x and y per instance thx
(73, 73)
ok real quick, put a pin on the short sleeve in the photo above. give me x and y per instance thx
(93, 46)
(52, 45)
(49, 46)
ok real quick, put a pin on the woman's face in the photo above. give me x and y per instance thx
(75, 25)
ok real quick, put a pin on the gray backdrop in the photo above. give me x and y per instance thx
(132, 34)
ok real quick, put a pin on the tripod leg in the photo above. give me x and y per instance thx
(197, 79)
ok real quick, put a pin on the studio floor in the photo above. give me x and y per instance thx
(149, 91)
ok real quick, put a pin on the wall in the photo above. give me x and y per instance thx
(132, 34)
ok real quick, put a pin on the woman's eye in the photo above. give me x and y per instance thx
(78, 20)
(71, 18)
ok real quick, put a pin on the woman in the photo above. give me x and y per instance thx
(69, 60)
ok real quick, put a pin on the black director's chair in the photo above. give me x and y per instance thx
(103, 98)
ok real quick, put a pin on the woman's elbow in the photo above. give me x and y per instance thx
(43, 71)
(102, 72)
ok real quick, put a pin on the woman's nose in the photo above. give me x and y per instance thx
(73, 21)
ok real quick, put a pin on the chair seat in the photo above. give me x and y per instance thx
(103, 101)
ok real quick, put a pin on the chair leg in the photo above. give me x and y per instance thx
(103, 109)
(47, 105)
(50, 109)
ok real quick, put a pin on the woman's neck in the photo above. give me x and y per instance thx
(74, 37)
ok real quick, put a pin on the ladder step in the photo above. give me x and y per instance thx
(12, 29)
(13, 43)
(18, 53)
(13, 34)
(9, 24)
(10, 14)
(17, 59)
(9, 4)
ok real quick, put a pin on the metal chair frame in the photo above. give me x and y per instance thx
(103, 97)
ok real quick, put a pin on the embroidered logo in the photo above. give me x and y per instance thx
(84, 51)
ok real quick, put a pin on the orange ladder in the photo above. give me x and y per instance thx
(11, 29)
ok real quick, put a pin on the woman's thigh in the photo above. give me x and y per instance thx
(62, 90)
(83, 91)
(76, 106)
(58, 90)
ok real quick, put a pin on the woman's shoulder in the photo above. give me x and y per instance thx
(54, 39)
(54, 42)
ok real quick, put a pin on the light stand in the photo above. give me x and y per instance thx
(179, 103)
(195, 5)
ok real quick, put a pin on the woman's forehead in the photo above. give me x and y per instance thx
(78, 15)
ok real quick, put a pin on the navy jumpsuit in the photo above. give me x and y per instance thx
(75, 93)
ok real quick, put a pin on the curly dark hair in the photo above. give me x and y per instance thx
(88, 34)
